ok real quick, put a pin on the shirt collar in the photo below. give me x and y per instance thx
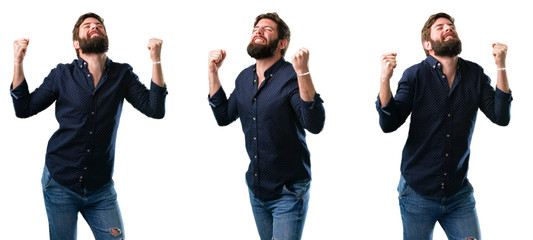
(81, 63)
(272, 69)
(435, 64)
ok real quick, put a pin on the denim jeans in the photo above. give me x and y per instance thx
(282, 218)
(457, 214)
(99, 208)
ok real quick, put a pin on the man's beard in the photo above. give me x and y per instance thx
(260, 51)
(449, 48)
(94, 45)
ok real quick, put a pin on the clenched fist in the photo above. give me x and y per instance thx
(20, 46)
(388, 63)
(215, 59)
(154, 45)
(300, 61)
(499, 51)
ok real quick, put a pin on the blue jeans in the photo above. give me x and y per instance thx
(456, 214)
(98, 207)
(282, 218)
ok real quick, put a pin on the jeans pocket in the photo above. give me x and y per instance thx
(403, 188)
(46, 180)
(298, 189)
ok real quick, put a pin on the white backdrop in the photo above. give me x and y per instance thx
(182, 177)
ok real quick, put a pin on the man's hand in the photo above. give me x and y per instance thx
(215, 60)
(499, 51)
(154, 45)
(388, 63)
(20, 46)
(300, 61)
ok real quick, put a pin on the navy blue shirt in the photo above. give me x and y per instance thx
(436, 154)
(81, 152)
(273, 120)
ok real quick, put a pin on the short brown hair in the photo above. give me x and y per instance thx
(76, 30)
(426, 30)
(283, 30)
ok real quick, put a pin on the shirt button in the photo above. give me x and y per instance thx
(447, 135)
(255, 174)
(449, 114)
(255, 156)
(255, 99)
(445, 174)
(84, 168)
(92, 113)
(91, 132)
(446, 154)
(255, 138)
(443, 76)
(88, 75)
(253, 119)
(88, 150)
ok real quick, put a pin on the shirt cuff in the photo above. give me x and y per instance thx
(502, 95)
(317, 101)
(20, 90)
(387, 108)
(158, 89)
(217, 98)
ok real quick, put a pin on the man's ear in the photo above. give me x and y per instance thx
(282, 43)
(76, 44)
(427, 45)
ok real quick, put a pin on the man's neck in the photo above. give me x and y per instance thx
(95, 64)
(449, 67)
(261, 65)
(448, 63)
(95, 61)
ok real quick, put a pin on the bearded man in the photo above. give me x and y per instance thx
(89, 94)
(442, 94)
(276, 101)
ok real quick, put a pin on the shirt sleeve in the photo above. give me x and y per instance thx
(394, 114)
(311, 114)
(495, 104)
(224, 109)
(150, 102)
(26, 104)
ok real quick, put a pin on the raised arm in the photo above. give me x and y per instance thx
(300, 62)
(308, 105)
(154, 46)
(388, 63)
(499, 51)
(497, 104)
(20, 46)
(215, 60)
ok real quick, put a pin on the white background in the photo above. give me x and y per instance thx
(182, 177)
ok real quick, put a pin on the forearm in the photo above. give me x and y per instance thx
(502, 82)
(307, 89)
(157, 74)
(214, 83)
(385, 93)
(18, 75)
